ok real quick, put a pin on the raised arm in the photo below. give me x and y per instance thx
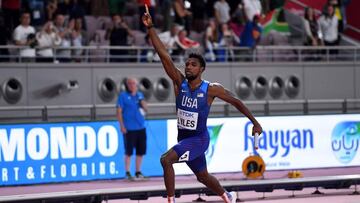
(174, 73)
(217, 90)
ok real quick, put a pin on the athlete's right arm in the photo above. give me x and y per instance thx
(174, 73)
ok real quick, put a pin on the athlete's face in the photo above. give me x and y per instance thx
(193, 69)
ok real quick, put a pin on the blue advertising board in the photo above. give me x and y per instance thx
(63, 152)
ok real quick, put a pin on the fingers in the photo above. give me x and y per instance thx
(147, 9)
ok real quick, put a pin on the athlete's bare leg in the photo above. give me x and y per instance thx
(210, 181)
(167, 161)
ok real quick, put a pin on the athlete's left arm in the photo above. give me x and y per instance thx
(217, 90)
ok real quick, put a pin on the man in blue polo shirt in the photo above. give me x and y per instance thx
(131, 108)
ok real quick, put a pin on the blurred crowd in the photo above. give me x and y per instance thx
(324, 28)
(210, 25)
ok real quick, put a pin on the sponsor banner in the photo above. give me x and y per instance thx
(63, 152)
(288, 142)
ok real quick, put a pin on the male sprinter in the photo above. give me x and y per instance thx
(194, 97)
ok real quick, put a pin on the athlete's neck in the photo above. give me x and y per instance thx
(194, 83)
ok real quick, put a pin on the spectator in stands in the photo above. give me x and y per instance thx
(63, 54)
(328, 23)
(24, 35)
(118, 36)
(211, 40)
(78, 37)
(37, 10)
(340, 12)
(252, 32)
(182, 15)
(51, 9)
(237, 25)
(184, 43)
(311, 28)
(252, 8)
(149, 55)
(97, 55)
(250, 37)
(47, 38)
(77, 11)
(312, 33)
(168, 37)
(227, 39)
(237, 20)
(222, 12)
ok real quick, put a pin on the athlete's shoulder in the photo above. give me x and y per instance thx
(215, 89)
(215, 85)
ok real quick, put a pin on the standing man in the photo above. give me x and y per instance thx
(24, 35)
(194, 97)
(131, 108)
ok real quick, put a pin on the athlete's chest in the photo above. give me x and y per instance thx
(192, 100)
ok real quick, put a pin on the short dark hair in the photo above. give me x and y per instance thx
(199, 57)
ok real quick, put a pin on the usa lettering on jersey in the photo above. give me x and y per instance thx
(189, 102)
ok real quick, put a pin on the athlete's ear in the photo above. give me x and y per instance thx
(202, 69)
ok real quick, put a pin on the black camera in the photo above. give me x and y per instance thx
(31, 37)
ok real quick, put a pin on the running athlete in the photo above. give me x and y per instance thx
(194, 97)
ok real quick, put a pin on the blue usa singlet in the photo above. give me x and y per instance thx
(192, 109)
(193, 137)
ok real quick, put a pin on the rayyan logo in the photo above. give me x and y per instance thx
(214, 132)
(345, 141)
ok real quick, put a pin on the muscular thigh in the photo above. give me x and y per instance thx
(189, 149)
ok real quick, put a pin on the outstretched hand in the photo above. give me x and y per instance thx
(257, 129)
(146, 18)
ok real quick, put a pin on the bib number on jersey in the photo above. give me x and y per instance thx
(187, 119)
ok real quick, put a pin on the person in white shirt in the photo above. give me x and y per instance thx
(252, 8)
(63, 54)
(47, 38)
(211, 40)
(222, 11)
(24, 35)
(168, 38)
(328, 23)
